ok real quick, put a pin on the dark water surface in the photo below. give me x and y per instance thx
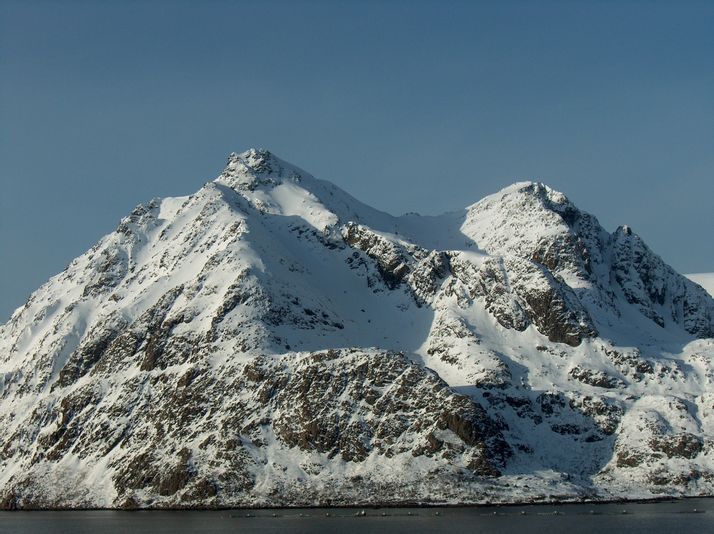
(689, 516)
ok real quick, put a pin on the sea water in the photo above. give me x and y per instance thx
(686, 516)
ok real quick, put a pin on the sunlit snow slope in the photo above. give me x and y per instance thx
(270, 340)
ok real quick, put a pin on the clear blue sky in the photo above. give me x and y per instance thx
(409, 106)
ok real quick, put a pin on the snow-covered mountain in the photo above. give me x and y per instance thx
(270, 340)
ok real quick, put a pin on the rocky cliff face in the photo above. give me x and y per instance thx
(270, 340)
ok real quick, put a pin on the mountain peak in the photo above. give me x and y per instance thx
(623, 230)
(257, 160)
(540, 191)
(519, 216)
(255, 167)
(527, 197)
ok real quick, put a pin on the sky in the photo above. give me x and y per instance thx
(422, 106)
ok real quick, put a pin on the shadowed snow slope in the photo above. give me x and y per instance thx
(270, 340)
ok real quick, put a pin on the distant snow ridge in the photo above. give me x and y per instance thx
(706, 280)
(270, 340)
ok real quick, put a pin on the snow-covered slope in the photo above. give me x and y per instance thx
(270, 340)
(706, 280)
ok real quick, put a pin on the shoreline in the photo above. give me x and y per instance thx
(371, 506)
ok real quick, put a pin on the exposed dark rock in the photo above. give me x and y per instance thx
(91, 350)
(684, 445)
(598, 379)
(393, 262)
